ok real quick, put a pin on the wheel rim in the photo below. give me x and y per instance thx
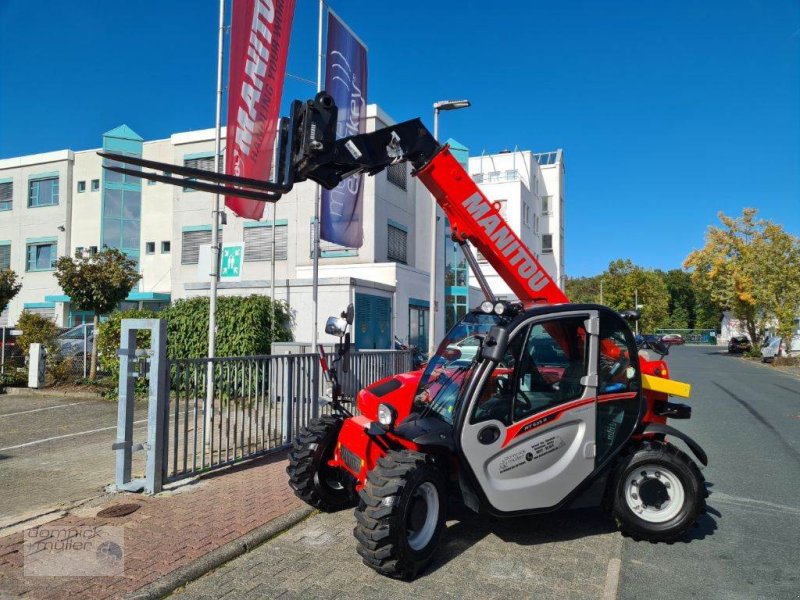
(654, 493)
(423, 516)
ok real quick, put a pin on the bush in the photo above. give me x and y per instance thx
(108, 343)
(244, 326)
(753, 352)
(37, 329)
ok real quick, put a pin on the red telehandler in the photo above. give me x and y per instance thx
(526, 407)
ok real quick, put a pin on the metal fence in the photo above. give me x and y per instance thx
(693, 336)
(258, 403)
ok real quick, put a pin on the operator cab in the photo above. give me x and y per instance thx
(543, 402)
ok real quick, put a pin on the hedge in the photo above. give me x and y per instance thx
(244, 326)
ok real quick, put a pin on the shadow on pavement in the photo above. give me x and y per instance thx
(524, 531)
(559, 526)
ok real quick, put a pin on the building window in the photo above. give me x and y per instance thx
(205, 163)
(398, 245)
(546, 204)
(165, 247)
(43, 192)
(42, 256)
(547, 243)
(81, 187)
(5, 256)
(95, 185)
(150, 247)
(190, 245)
(6, 192)
(258, 243)
(396, 174)
(477, 177)
(493, 176)
(121, 218)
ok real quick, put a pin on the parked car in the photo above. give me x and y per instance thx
(774, 346)
(673, 339)
(738, 344)
(71, 342)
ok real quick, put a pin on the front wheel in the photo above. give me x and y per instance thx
(311, 477)
(401, 515)
(659, 493)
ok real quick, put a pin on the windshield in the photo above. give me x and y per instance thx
(449, 369)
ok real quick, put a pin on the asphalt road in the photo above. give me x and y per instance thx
(55, 451)
(747, 417)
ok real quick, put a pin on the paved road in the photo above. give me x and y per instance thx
(54, 451)
(748, 419)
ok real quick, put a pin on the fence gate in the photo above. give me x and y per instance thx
(204, 414)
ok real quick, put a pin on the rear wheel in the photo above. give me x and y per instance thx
(401, 515)
(659, 493)
(310, 476)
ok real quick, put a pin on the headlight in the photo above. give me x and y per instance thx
(386, 415)
(487, 307)
(499, 308)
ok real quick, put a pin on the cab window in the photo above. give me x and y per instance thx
(543, 367)
(618, 376)
(555, 359)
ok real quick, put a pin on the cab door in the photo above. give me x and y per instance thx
(528, 433)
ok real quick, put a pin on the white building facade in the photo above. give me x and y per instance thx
(530, 190)
(57, 203)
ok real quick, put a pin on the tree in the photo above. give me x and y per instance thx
(584, 289)
(37, 329)
(625, 283)
(8, 287)
(97, 283)
(750, 266)
(681, 299)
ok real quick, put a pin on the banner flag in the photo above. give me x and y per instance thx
(345, 80)
(260, 32)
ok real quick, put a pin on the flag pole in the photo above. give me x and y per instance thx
(215, 250)
(315, 243)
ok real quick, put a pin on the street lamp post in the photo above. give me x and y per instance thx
(437, 106)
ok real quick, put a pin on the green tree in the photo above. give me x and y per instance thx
(625, 283)
(8, 287)
(584, 289)
(37, 329)
(97, 283)
(682, 300)
(750, 266)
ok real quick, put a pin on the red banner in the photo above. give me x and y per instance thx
(259, 45)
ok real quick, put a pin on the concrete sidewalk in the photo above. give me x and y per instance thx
(170, 538)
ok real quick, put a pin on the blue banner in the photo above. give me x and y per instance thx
(345, 80)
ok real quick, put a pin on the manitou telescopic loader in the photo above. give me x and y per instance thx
(526, 407)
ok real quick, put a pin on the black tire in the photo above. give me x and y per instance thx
(657, 463)
(390, 507)
(313, 481)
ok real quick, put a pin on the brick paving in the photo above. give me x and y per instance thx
(167, 532)
(562, 556)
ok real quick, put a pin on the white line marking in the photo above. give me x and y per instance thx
(68, 435)
(25, 412)
(612, 579)
(751, 503)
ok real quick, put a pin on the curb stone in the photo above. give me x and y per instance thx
(219, 556)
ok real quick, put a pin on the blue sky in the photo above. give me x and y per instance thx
(667, 111)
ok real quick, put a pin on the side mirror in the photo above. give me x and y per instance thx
(494, 344)
(336, 326)
(349, 314)
(631, 315)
